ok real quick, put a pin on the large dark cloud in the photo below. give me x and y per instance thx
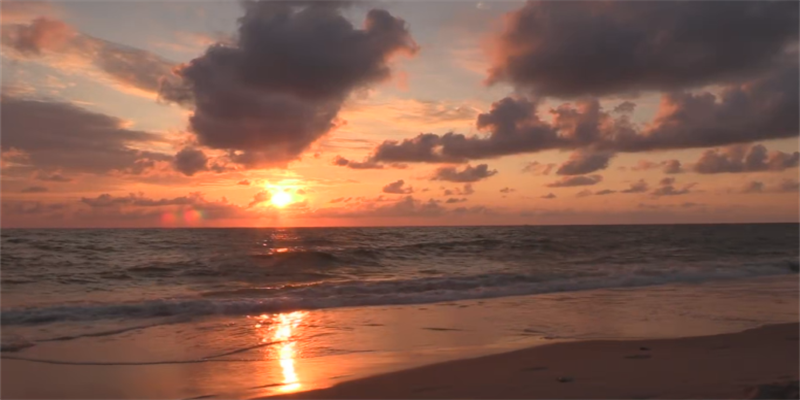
(733, 159)
(62, 136)
(468, 174)
(579, 48)
(126, 65)
(760, 109)
(279, 88)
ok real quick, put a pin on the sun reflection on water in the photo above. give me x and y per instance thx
(283, 329)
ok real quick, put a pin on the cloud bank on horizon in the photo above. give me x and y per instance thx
(360, 113)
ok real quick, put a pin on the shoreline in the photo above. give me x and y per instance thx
(723, 366)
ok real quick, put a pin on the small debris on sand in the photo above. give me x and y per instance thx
(565, 379)
(788, 390)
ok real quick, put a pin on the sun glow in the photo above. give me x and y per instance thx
(283, 328)
(281, 199)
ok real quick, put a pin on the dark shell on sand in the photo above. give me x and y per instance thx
(774, 391)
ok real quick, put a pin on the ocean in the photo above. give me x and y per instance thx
(209, 300)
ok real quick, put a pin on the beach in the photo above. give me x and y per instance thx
(726, 366)
(703, 341)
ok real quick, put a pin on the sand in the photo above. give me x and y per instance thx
(711, 367)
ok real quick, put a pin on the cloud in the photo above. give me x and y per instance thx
(789, 186)
(584, 162)
(34, 189)
(753, 187)
(784, 186)
(52, 177)
(73, 139)
(406, 207)
(190, 161)
(672, 167)
(343, 162)
(760, 109)
(668, 189)
(243, 182)
(507, 190)
(49, 211)
(572, 49)
(735, 159)
(549, 196)
(583, 180)
(468, 174)
(259, 198)
(639, 186)
(584, 193)
(397, 188)
(644, 165)
(605, 192)
(15, 12)
(468, 190)
(266, 98)
(668, 166)
(130, 67)
(138, 200)
(538, 168)
(626, 107)
(455, 200)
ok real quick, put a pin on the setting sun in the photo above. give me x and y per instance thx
(281, 199)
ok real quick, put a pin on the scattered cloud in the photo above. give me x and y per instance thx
(55, 177)
(538, 168)
(343, 162)
(584, 162)
(34, 189)
(639, 186)
(259, 198)
(784, 186)
(735, 159)
(583, 180)
(468, 174)
(672, 167)
(190, 161)
(667, 188)
(397, 187)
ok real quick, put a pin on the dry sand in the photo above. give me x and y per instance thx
(720, 366)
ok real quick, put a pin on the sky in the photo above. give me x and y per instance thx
(388, 113)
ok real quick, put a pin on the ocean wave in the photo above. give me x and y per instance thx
(376, 292)
(302, 258)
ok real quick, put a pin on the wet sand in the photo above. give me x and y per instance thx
(710, 367)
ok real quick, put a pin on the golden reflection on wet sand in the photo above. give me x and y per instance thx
(283, 329)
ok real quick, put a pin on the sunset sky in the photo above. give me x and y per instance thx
(188, 113)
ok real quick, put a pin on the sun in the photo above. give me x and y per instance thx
(281, 199)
